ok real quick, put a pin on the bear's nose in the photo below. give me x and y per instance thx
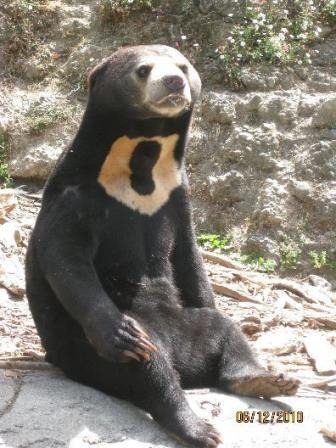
(174, 83)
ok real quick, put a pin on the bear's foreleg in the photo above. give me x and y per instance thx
(190, 276)
(67, 265)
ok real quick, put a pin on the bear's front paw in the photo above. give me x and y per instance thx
(134, 341)
(120, 340)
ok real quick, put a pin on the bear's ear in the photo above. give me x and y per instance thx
(95, 73)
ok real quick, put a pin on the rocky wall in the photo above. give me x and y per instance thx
(261, 161)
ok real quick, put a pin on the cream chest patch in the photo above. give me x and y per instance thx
(141, 172)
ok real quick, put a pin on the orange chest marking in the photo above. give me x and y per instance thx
(116, 173)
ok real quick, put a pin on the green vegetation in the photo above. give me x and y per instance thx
(213, 241)
(318, 259)
(112, 10)
(322, 259)
(328, 11)
(332, 264)
(5, 179)
(290, 252)
(37, 121)
(274, 32)
(26, 26)
(259, 263)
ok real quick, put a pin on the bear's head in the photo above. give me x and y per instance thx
(146, 81)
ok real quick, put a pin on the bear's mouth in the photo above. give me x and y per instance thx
(172, 100)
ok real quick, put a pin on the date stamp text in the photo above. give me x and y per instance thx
(269, 416)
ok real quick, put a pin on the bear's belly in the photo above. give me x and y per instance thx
(124, 292)
(123, 282)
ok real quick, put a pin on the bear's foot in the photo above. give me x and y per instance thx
(189, 429)
(199, 434)
(265, 384)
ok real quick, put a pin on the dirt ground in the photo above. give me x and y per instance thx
(283, 319)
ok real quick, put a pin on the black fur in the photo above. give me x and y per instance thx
(142, 162)
(93, 263)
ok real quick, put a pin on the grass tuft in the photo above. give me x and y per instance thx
(5, 179)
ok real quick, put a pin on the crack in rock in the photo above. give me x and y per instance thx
(11, 402)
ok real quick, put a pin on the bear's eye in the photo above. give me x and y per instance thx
(183, 68)
(143, 71)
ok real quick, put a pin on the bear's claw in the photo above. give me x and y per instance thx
(135, 341)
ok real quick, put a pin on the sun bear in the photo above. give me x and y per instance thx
(115, 281)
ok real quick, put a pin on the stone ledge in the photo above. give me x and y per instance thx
(53, 411)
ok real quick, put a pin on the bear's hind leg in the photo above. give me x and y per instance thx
(241, 373)
(159, 392)
(154, 386)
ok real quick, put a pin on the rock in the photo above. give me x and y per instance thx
(218, 108)
(261, 245)
(227, 187)
(39, 404)
(319, 282)
(36, 162)
(329, 432)
(238, 146)
(250, 328)
(11, 272)
(279, 125)
(308, 105)
(255, 147)
(35, 156)
(265, 162)
(234, 7)
(325, 115)
(73, 8)
(301, 190)
(10, 235)
(79, 62)
(198, 141)
(268, 215)
(4, 296)
(73, 26)
(301, 71)
(324, 51)
(321, 80)
(244, 136)
(277, 340)
(253, 103)
(5, 122)
(327, 205)
(269, 211)
(317, 295)
(8, 201)
(278, 108)
(11, 266)
(321, 353)
(319, 162)
(76, 19)
(32, 70)
(262, 80)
